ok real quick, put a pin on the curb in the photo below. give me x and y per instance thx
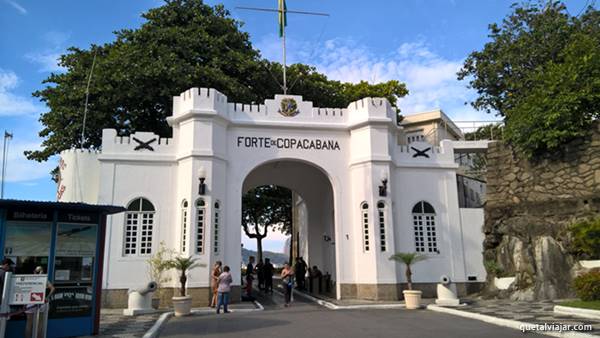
(513, 324)
(574, 311)
(155, 329)
(333, 306)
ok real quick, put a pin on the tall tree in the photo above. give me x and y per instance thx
(266, 207)
(182, 44)
(541, 73)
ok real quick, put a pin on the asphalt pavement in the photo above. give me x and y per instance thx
(306, 319)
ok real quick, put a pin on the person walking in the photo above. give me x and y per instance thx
(287, 276)
(216, 272)
(268, 275)
(224, 281)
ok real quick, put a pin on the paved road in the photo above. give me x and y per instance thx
(308, 320)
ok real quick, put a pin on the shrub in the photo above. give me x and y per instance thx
(585, 239)
(587, 285)
(493, 268)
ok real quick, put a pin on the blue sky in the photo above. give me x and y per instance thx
(422, 43)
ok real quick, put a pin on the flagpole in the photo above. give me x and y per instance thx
(284, 61)
(7, 136)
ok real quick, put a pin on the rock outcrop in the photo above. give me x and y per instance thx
(528, 210)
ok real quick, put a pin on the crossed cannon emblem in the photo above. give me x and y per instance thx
(144, 145)
(421, 152)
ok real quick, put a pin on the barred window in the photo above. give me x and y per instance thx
(138, 229)
(216, 224)
(424, 228)
(200, 222)
(184, 222)
(365, 225)
(381, 220)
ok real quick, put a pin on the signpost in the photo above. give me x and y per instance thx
(23, 290)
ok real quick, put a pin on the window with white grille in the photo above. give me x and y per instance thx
(216, 225)
(138, 228)
(200, 222)
(184, 222)
(424, 224)
(381, 220)
(365, 225)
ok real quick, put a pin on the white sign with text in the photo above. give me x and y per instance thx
(27, 289)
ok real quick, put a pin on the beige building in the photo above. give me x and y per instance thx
(431, 127)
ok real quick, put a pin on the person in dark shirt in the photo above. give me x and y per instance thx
(300, 272)
(268, 275)
(249, 276)
(260, 274)
(6, 266)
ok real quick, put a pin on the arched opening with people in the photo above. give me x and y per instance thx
(288, 217)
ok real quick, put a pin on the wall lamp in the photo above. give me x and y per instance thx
(201, 178)
(326, 238)
(383, 186)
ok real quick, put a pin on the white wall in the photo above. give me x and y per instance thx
(472, 233)
(211, 133)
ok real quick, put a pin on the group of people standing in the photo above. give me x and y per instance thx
(221, 284)
(221, 280)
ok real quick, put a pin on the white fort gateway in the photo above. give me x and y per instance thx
(364, 188)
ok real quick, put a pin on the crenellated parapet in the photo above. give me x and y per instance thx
(138, 143)
(282, 109)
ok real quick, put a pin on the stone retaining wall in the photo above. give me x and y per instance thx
(529, 207)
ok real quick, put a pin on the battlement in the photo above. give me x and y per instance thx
(139, 142)
(281, 109)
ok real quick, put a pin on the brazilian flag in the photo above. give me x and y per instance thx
(282, 17)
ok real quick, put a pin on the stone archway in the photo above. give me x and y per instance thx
(313, 203)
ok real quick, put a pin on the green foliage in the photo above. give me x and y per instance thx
(492, 131)
(492, 267)
(182, 265)
(182, 44)
(592, 305)
(265, 207)
(158, 264)
(587, 285)
(585, 239)
(408, 259)
(541, 73)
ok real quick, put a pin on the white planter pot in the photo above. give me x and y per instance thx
(182, 305)
(412, 299)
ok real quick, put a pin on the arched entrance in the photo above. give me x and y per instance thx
(313, 223)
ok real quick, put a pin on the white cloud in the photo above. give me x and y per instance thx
(16, 6)
(430, 77)
(12, 104)
(48, 59)
(19, 168)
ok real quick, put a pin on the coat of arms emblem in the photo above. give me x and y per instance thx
(289, 107)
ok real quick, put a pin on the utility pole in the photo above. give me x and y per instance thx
(7, 136)
(282, 11)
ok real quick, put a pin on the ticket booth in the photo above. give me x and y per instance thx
(67, 240)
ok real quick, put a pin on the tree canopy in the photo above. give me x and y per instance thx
(541, 73)
(265, 207)
(181, 44)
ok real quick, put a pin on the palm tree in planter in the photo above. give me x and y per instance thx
(183, 303)
(412, 298)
